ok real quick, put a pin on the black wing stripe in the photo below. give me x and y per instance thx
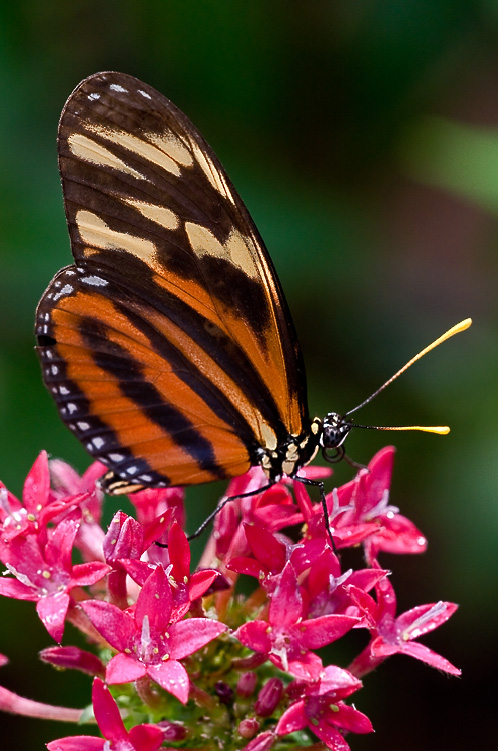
(231, 358)
(147, 398)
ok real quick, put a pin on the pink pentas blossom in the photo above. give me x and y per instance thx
(151, 503)
(328, 589)
(124, 546)
(367, 496)
(391, 634)
(320, 707)
(270, 552)
(139, 738)
(45, 573)
(152, 619)
(66, 482)
(146, 640)
(272, 509)
(288, 640)
(39, 506)
(316, 529)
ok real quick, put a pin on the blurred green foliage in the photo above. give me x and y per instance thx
(363, 137)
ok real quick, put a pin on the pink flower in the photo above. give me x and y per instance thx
(286, 639)
(125, 544)
(272, 509)
(139, 738)
(147, 641)
(395, 635)
(151, 503)
(149, 609)
(368, 495)
(44, 573)
(40, 504)
(66, 482)
(320, 708)
(329, 590)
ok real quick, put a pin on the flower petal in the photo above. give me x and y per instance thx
(173, 677)
(155, 601)
(187, 636)
(52, 611)
(115, 625)
(317, 632)
(265, 547)
(146, 737)
(107, 713)
(124, 668)
(255, 636)
(294, 718)
(286, 606)
(77, 743)
(37, 485)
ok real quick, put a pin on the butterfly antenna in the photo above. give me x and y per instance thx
(440, 429)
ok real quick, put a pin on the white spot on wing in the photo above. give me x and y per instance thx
(116, 457)
(94, 95)
(144, 93)
(95, 281)
(117, 87)
(83, 425)
(98, 442)
(173, 147)
(66, 290)
(268, 436)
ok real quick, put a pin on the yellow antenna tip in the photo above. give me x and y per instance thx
(464, 324)
(438, 429)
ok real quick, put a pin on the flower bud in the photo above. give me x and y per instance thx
(269, 697)
(224, 691)
(173, 731)
(248, 728)
(246, 684)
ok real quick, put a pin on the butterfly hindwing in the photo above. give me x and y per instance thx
(168, 347)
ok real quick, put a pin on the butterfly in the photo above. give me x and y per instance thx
(168, 345)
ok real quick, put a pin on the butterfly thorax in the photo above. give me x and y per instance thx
(292, 454)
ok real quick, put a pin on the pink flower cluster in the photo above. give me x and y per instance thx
(226, 655)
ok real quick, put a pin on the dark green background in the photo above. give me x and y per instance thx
(363, 136)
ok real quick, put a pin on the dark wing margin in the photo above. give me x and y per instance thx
(173, 316)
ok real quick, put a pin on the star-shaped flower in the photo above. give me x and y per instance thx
(45, 574)
(147, 641)
(320, 708)
(396, 635)
(39, 506)
(286, 639)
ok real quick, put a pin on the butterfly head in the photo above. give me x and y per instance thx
(335, 430)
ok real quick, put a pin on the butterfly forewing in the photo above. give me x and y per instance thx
(168, 347)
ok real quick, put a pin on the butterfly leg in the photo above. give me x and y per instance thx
(321, 487)
(222, 504)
